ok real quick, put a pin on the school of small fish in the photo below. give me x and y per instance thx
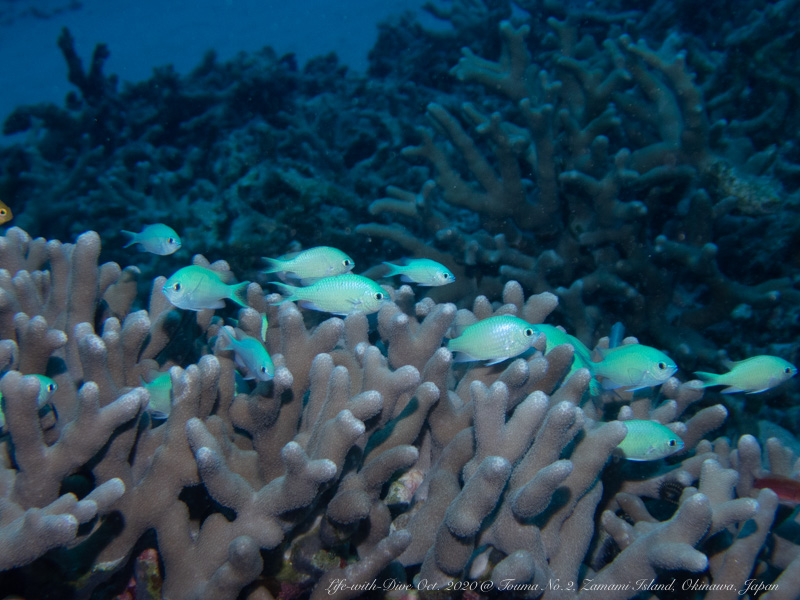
(322, 280)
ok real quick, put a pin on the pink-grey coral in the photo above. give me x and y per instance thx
(354, 464)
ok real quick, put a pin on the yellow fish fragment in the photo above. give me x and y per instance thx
(5, 213)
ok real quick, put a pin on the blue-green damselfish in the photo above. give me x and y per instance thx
(250, 355)
(423, 271)
(648, 440)
(633, 367)
(340, 295)
(160, 390)
(47, 387)
(494, 339)
(198, 288)
(312, 264)
(751, 375)
(157, 238)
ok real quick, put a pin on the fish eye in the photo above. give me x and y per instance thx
(672, 443)
(528, 332)
(263, 369)
(445, 275)
(51, 387)
(347, 262)
(171, 240)
(3, 212)
(177, 286)
(378, 296)
(787, 370)
(662, 365)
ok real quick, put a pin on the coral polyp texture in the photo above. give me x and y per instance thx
(570, 165)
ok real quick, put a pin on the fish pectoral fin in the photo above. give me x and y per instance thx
(306, 281)
(636, 376)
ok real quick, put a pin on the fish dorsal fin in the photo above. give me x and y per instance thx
(460, 323)
(226, 277)
(602, 352)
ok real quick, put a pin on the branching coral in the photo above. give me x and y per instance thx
(629, 184)
(351, 463)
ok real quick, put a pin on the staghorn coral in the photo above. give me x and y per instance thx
(605, 167)
(624, 156)
(353, 465)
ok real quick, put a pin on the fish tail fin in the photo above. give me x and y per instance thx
(133, 235)
(152, 375)
(289, 290)
(708, 379)
(273, 265)
(228, 338)
(239, 293)
(393, 269)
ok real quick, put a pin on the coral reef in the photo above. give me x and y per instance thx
(573, 164)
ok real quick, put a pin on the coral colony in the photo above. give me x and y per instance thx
(332, 430)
